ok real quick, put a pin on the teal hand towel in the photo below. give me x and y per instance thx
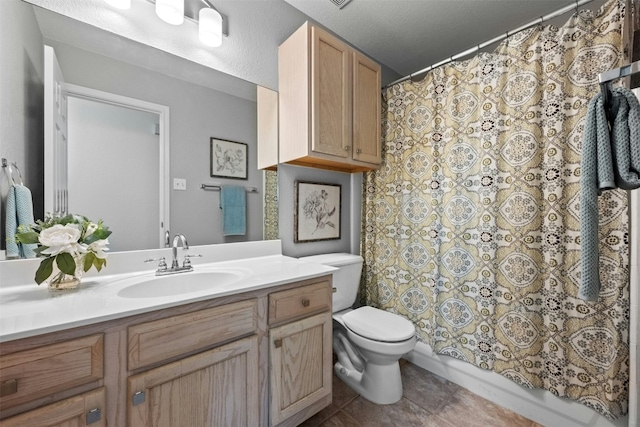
(19, 212)
(610, 159)
(234, 210)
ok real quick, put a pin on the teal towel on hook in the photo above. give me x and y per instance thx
(610, 159)
(233, 202)
(19, 211)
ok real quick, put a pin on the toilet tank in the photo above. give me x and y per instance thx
(346, 280)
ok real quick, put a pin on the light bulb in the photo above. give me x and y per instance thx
(210, 27)
(120, 4)
(170, 11)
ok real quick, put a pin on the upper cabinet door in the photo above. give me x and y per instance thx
(330, 97)
(367, 81)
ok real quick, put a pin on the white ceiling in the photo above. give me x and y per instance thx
(404, 35)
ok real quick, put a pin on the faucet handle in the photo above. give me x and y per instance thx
(187, 261)
(162, 264)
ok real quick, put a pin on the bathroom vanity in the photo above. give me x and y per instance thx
(252, 352)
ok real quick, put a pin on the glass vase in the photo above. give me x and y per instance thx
(59, 281)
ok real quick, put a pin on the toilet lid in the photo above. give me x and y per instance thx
(378, 325)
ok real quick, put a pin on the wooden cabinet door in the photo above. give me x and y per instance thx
(87, 409)
(367, 81)
(218, 387)
(330, 95)
(300, 365)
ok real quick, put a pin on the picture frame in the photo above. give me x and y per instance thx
(318, 207)
(229, 159)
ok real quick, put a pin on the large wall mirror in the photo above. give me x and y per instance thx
(203, 104)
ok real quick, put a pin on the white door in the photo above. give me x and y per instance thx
(55, 136)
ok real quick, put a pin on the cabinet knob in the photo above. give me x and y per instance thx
(358, 151)
(8, 387)
(305, 302)
(347, 148)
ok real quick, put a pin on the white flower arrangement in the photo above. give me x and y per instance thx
(72, 242)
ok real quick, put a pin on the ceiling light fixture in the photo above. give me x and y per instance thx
(170, 11)
(120, 4)
(210, 27)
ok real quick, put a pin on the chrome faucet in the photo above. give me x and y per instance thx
(175, 266)
(174, 249)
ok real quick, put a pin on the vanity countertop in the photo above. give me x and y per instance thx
(29, 310)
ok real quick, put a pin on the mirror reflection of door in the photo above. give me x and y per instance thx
(113, 160)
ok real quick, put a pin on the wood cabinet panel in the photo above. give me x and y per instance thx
(300, 365)
(41, 371)
(163, 339)
(299, 302)
(70, 412)
(367, 80)
(331, 106)
(215, 388)
(267, 102)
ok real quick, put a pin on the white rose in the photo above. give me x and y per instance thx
(99, 247)
(61, 238)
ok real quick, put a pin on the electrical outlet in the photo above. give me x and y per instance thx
(179, 184)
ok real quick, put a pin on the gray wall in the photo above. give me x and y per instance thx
(21, 100)
(350, 218)
(197, 114)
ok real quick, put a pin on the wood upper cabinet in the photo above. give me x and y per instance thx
(329, 103)
(217, 387)
(300, 352)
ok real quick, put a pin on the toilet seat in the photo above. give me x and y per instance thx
(378, 325)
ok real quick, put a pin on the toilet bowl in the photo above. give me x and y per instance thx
(367, 341)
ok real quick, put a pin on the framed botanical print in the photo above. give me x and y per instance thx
(317, 211)
(229, 159)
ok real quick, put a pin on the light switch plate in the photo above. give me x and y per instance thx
(179, 184)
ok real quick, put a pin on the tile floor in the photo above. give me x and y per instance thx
(428, 400)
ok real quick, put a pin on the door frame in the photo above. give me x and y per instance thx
(164, 142)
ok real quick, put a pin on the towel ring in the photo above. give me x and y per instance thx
(10, 171)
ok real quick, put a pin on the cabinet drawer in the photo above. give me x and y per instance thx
(163, 339)
(299, 302)
(42, 371)
(87, 409)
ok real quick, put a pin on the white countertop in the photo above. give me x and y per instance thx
(28, 309)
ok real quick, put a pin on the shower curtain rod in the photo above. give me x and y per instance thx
(474, 49)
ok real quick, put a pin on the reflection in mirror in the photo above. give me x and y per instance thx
(200, 108)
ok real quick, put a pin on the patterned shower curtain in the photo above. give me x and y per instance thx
(471, 226)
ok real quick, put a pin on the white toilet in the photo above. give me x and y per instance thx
(367, 341)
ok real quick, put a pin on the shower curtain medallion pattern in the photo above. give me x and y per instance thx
(471, 226)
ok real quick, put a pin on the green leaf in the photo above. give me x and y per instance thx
(66, 263)
(39, 250)
(99, 263)
(89, 261)
(44, 270)
(29, 237)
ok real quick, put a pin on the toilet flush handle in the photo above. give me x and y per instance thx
(306, 302)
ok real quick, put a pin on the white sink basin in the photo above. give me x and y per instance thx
(180, 283)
